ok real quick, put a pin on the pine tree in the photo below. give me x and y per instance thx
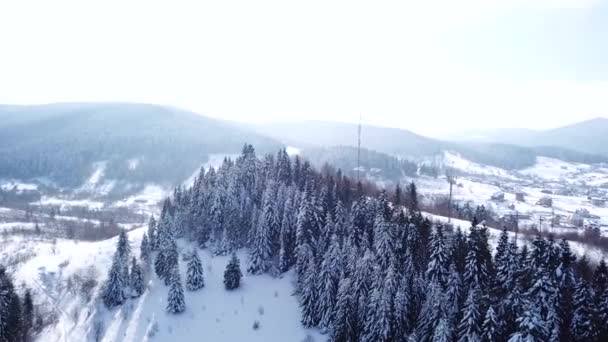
(309, 296)
(328, 283)
(176, 302)
(530, 327)
(602, 316)
(491, 329)
(343, 317)
(194, 278)
(152, 239)
(137, 280)
(443, 332)
(28, 316)
(600, 278)
(437, 269)
(470, 325)
(402, 305)
(145, 250)
(10, 310)
(261, 249)
(232, 275)
(114, 288)
(581, 326)
(123, 249)
(431, 313)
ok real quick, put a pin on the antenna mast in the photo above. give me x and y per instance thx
(359, 149)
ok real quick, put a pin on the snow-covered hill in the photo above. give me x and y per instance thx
(212, 312)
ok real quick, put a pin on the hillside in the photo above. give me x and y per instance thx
(406, 144)
(133, 143)
(589, 136)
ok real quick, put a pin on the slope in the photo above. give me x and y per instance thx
(212, 312)
(589, 136)
(406, 144)
(138, 142)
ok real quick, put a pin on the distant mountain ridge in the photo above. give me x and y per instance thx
(590, 136)
(406, 144)
(63, 141)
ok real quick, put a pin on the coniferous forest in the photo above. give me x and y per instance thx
(367, 265)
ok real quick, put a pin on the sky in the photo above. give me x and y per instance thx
(432, 66)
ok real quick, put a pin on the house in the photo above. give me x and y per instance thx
(546, 202)
(520, 196)
(598, 202)
(498, 196)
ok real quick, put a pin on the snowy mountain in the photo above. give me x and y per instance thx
(406, 144)
(132, 144)
(586, 136)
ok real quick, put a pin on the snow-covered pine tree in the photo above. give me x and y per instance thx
(432, 312)
(328, 283)
(11, 320)
(113, 293)
(602, 316)
(176, 302)
(437, 269)
(383, 241)
(123, 249)
(137, 279)
(401, 309)
(260, 256)
(288, 233)
(28, 316)
(470, 325)
(491, 328)
(194, 278)
(343, 318)
(144, 250)
(600, 279)
(443, 332)
(309, 296)
(378, 323)
(581, 326)
(232, 274)
(171, 259)
(530, 327)
(152, 231)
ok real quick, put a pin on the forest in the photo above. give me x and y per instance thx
(367, 265)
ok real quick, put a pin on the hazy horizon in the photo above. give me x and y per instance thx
(429, 67)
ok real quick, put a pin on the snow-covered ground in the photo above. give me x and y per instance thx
(8, 185)
(458, 162)
(212, 312)
(63, 203)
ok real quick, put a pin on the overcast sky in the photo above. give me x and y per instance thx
(430, 66)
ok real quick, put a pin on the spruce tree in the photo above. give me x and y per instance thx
(530, 327)
(28, 316)
(491, 329)
(232, 274)
(175, 301)
(137, 280)
(581, 326)
(437, 269)
(10, 309)
(309, 296)
(152, 231)
(145, 250)
(114, 289)
(328, 283)
(443, 332)
(194, 278)
(343, 318)
(470, 325)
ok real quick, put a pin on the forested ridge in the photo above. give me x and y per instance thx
(367, 265)
(140, 143)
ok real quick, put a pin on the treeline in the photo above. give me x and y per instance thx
(370, 269)
(345, 158)
(61, 142)
(18, 318)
